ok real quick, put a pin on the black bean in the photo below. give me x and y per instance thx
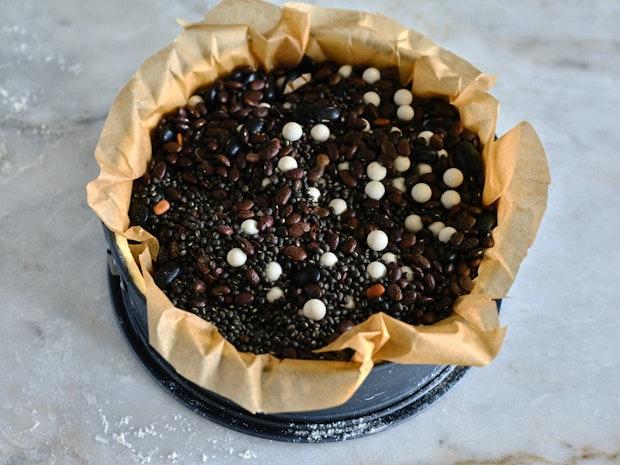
(233, 146)
(485, 222)
(313, 291)
(315, 113)
(254, 125)
(138, 213)
(425, 154)
(167, 134)
(166, 274)
(468, 158)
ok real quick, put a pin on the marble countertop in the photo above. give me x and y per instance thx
(71, 391)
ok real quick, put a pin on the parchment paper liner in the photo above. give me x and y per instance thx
(238, 32)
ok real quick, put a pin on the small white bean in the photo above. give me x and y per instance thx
(405, 113)
(377, 240)
(328, 259)
(421, 192)
(403, 97)
(287, 163)
(375, 190)
(338, 206)
(435, 227)
(376, 171)
(450, 198)
(376, 270)
(292, 131)
(249, 227)
(314, 309)
(407, 272)
(320, 132)
(424, 168)
(446, 234)
(236, 257)
(372, 98)
(345, 70)
(273, 271)
(399, 183)
(275, 293)
(314, 194)
(371, 75)
(453, 177)
(413, 223)
(426, 135)
(402, 164)
(194, 100)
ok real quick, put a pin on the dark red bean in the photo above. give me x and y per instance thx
(220, 290)
(244, 298)
(344, 326)
(283, 195)
(349, 245)
(159, 170)
(264, 222)
(407, 241)
(296, 173)
(252, 276)
(394, 292)
(332, 239)
(314, 174)
(225, 230)
(298, 229)
(295, 253)
(422, 261)
(247, 246)
(347, 178)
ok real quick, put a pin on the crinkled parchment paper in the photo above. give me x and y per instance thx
(240, 32)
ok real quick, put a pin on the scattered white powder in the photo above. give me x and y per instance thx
(17, 103)
(142, 441)
(248, 454)
(30, 52)
(101, 439)
(120, 438)
(343, 429)
(104, 421)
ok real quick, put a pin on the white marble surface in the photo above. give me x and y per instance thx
(71, 392)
